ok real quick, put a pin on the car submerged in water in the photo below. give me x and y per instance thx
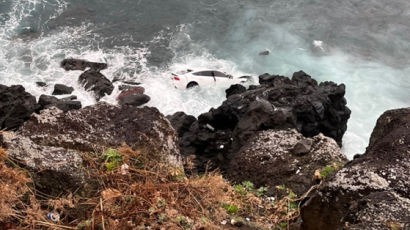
(190, 79)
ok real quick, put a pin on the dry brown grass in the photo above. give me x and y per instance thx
(150, 195)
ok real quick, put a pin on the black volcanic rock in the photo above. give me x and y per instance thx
(65, 104)
(60, 89)
(79, 64)
(96, 82)
(278, 103)
(372, 191)
(181, 122)
(16, 106)
(235, 89)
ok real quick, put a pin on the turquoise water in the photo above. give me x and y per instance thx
(363, 44)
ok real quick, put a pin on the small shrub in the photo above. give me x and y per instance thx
(262, 190)
(324, 172)
(248, 186)
(112, 159)
(231, 209)
(240, 189)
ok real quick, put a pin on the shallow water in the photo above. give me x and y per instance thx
(363, 44)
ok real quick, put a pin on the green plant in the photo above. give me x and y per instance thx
(112, 159)
(248, 186)
(281, 187)
(231, 209)
(292, 206)
(327, 170)
(261, 191)
(291, 194)
(239, 189)
(283, 225)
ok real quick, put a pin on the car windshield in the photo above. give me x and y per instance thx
(210, 73)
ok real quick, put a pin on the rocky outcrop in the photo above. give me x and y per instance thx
(64, 104)
(60, 89)
(56, 169)
(96, 82)
(57, 139)
(372, 191)
(284, 157)
(79, 64)
(16, 106)
(278, 103)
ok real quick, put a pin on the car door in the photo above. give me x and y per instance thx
(205, 78)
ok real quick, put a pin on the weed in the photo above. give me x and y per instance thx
(261, 191)
(248, 186)
(324, 172)
(112, 159)
(231, 209)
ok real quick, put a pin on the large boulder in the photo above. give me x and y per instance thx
(16, 106)
(96, 82)
(278, 103)
(284, 157)
(372, 191)
(55, 169)
(133, 96)
(60, 89)
(64, 104)
(60, 138)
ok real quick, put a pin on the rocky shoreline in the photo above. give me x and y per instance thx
(283, 135)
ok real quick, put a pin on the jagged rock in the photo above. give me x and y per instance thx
(16, 106)
(278, 103)
(60, 89)
(79, 64)
(269, 159)
(96, 82)
(181, 122)
(372, 191)
(55, 169)
(64, 104)
(235, 89)
(52, 138)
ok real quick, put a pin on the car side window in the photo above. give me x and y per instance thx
(210, 74)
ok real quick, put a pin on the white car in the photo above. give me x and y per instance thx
(189, 78)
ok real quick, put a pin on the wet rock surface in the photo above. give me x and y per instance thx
(64, 104)
(273, 158)
(60, 89)
(133, 96)
(79, 64)
(96, 82)
(278, 103)
(59, 138)
(16, 106)
(372, 191)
